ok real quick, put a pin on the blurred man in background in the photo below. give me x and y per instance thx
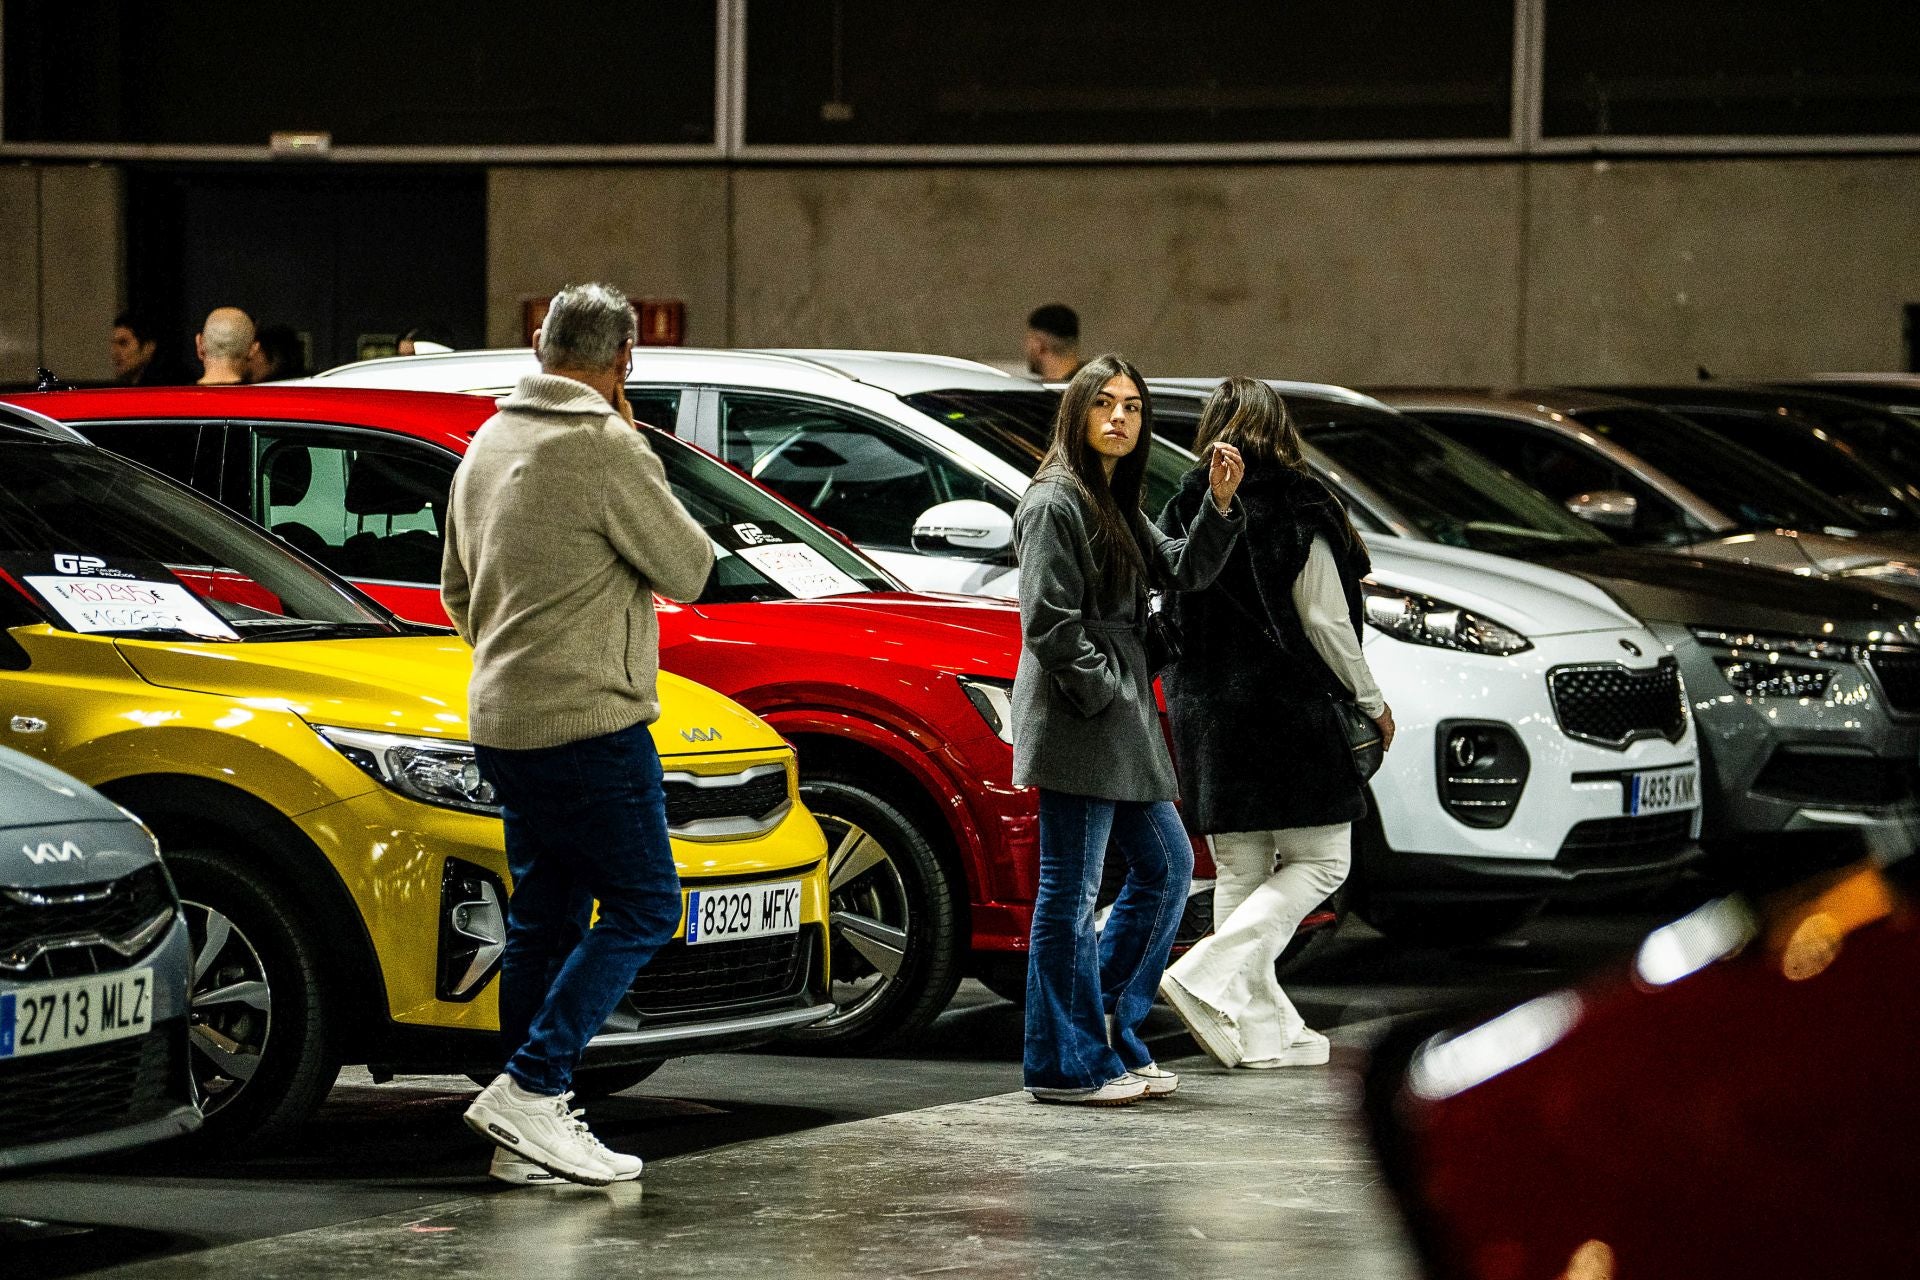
(133, 348)
(278, 354)
(1053, 342)
(226, 347)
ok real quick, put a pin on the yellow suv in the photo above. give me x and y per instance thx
(300, 754)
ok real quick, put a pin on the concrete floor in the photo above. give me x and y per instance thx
(924, 1163)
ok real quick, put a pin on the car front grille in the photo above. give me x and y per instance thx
(113, 910)
(726, 806)
(1898, 671)
(1614, 705)
(1624, 841)
(56, 1096)
(714, 976)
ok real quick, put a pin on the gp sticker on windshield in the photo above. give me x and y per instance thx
(88, 605)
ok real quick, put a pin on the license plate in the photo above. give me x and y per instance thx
(1663, 791)
(51, 1016)
(743, 911)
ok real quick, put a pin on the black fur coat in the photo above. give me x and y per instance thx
(1255, 735)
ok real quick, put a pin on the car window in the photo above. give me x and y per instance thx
(170, 448)
(1827, 462)
(1562, 468)
(868, 480)
(365, 508)
(655, 406)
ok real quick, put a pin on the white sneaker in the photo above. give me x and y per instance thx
(515, 1172)
(1206, 1024)
(1160, 1082)
(1117, 1092)
(541, 1129)
(1308, 1049)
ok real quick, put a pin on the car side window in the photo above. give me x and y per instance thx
(655, 406)
(1562, 468)
(868, 480)
(365, 508)
(171, 448)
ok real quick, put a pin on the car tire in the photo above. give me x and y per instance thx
(260, 1042)
(1452, 924)
(894, 905)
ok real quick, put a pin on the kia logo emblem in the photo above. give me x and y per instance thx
(700, 735)
(1630, 647)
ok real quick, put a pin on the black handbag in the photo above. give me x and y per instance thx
(1159, 636)
(1366, 746)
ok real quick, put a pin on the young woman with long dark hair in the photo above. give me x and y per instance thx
(1265, 766)
(1087, 733)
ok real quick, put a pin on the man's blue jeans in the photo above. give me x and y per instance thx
(1076, 980)
(585, 821)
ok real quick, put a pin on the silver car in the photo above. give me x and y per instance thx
(94, 964)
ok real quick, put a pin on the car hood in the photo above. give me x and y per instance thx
(405, 684)
(1795, 550)
(1533, 599)
(33, 794)
(1696, 591)
(975, 635)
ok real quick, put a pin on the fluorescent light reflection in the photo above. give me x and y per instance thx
(1693, 942)
(1444, 1067)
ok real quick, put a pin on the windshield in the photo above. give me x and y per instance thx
(1446, 491)
(1754, 492)
(1016, 427)
(763, 549)
(105, 548)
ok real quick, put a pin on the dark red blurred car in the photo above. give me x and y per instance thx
(898, 702)
(1743, 1101)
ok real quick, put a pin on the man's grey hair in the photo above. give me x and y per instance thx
(585, 325)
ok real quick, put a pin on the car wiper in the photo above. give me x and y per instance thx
(163, 633)
(313, 630)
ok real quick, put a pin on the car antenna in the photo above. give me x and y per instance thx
(45, 379)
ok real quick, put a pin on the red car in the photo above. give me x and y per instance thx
(897, 702)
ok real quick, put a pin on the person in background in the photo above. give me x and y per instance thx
(560, 529)
(1086, 732)
(132, 348)
(423, 339)
(279, 354)
(1053, 342)
(226, 346)
(1265, 766)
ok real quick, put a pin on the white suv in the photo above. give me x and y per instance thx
(1545, 744)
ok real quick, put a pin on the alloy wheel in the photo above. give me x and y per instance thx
(231, 1007)
(869, 920)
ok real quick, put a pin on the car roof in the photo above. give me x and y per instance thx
(1285, 386)
(1736, 395)
(1541, 402)
(428, 415)
(901, 373)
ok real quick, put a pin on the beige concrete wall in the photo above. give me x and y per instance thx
(19, 272)
(652, 232)
(1337, 272)
(1649, 269)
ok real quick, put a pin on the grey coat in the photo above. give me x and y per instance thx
(1084, 716)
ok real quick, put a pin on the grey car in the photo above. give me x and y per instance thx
(94, 964)
(1806, 690)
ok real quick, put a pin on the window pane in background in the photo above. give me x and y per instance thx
(429, 73)
(1125, 71)
(1653, 67)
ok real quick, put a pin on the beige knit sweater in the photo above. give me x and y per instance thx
(560, 528)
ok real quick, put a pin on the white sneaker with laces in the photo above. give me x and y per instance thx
(1209, 1027)
(540, 1129)
(515, 1172)
(1160, 1081)
(1117, 1092)
(1308, 1049)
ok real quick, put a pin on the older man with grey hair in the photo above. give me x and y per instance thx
(226, 345)
(560, 529)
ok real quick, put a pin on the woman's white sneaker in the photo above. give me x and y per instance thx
(515, 1172)
(1117, 1092)
(540, 1129)
(1308, 1049)
(1206, 1024)
(1160, 1081)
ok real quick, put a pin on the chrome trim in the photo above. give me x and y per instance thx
(491, 947)
(752, 1024)
(128, 947)
(34, 898)
(738, 828)
(740, 779)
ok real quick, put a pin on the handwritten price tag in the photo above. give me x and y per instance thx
(91, 605)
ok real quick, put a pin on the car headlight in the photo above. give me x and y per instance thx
(1763, 666)
(1421, 619)
(993, 699)
(430, 770)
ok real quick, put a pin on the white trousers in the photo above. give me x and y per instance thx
(1267, 882)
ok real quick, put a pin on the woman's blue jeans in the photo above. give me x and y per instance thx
(585, 821)
(1077, 980)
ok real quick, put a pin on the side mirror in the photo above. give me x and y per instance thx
(1608, 508)
(968, 529)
